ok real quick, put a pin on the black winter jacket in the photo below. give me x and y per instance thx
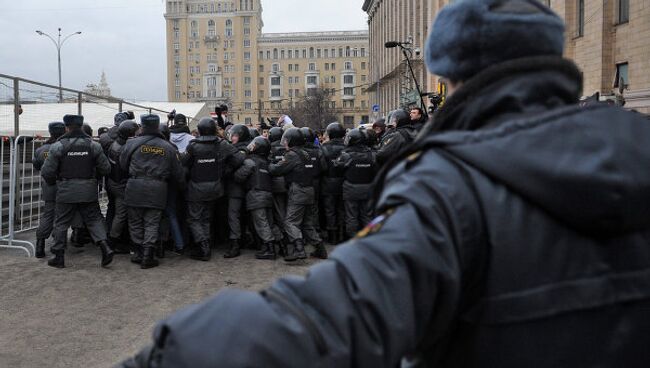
(517, 236)
(48, 192)
(207, 174)
(394, 142)
(254, 175)
(151, 162)
(332, 179)
(77, 190)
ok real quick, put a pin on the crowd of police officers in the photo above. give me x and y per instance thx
(270, 189)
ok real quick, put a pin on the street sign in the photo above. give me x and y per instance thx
(375, 108)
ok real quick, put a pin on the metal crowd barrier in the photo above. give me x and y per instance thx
(12, 191)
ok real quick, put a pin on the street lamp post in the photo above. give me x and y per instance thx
(58, 44)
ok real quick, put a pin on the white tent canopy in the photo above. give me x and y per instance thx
(36, 117)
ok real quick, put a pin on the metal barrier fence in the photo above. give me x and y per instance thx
(26, 109)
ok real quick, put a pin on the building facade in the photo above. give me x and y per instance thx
(608, 40)
(217, 53)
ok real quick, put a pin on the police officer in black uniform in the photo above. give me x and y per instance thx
(208, 159)
(240, 137)
(279, 187)
(151, 162)
(48, 192)
(116, 184)
(332, 182)
(73, 164)
(254, 174)
(358, 164)
(318, 164)
(297, 169)
(400, 136)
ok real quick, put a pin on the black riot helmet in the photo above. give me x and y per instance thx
(293, 137)
(335, 130)
(207, 127)
(400, 118)
(254, 132)
(275, 134)
(355, 137)
(260, 146)
(309, 134)
(56, 129)
(127, 129)
(164, 130)
(241, 131)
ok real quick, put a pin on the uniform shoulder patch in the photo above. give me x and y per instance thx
(152, 150)
(375, 225)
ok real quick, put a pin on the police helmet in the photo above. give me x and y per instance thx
(310, 136)
(354, 137)
(207, 127)
(102, 130)
(150, 121)
(400, 118)
(180, 119)
(275, 134)
(335, 130)
(87, 129)
(164, 130)
(260, 146)
(241, 131)
(127, 129)
(254, 132)
(293, 137)
(56, 129)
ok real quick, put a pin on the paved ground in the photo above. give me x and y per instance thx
(85, 316)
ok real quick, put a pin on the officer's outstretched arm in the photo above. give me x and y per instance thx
(370, 305)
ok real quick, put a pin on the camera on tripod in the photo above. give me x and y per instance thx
(435, 101)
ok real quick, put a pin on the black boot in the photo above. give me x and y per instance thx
(137, 254)
(160, 250)
(118, 246)
(202, 252)
(298, 252)
(58, 260)
(234, 249)
(332, 237)
(40, 248)
(267, 252)
(148, 260)
(282, 249)
(107, 253)
(319, 252)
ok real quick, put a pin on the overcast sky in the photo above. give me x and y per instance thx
(126, 38)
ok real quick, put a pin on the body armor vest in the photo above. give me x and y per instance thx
(77, 161)
(301, 175)
(362, 168)
(207, 166)
(332, 152)
(261, 178)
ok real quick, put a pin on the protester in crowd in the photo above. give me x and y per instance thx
(513, 232)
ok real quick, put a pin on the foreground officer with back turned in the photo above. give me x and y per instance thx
(48, 192)
(208, 159)
(332, 182)
(151, 162)
(514, 234)
(73, 164)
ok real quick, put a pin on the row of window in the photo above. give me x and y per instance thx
(313, 53)
(211, 7)
(621, 16)
(348, 65)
